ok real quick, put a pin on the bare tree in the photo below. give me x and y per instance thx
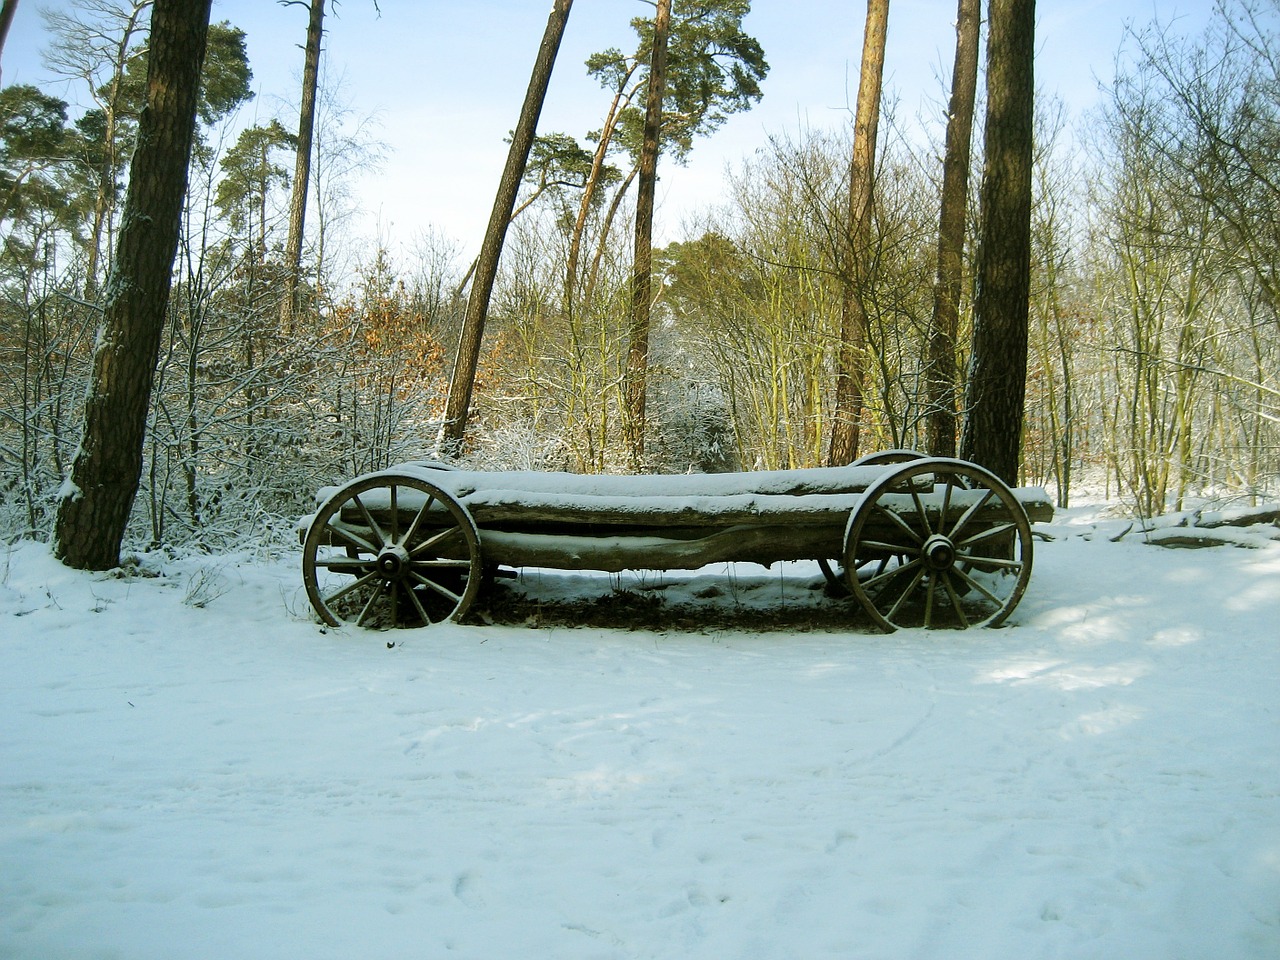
(857, 266)
(996, 393)
(98, 496)
(464, 370)
(641, 285)
(940, 365)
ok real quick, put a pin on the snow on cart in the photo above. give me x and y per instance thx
(917, 541)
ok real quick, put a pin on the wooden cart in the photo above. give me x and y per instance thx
(918, 541)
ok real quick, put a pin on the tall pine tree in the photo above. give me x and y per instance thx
(995, 397)
(96, 500)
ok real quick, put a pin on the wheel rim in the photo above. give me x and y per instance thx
(390, 551)
(939, 544)
(880, 458)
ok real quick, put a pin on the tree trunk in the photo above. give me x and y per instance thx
(98, 496)
(856, 271)
(636, 381)
(302, 169)
(996, 393)
(621, 99)
(940, 363)
(7, 10)
(458, 403)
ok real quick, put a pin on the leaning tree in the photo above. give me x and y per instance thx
(97, 498)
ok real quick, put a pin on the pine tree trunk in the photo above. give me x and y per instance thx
(302, 169)
(98, 497)
(996, 394)
(636, 381)
(458, 403)
(940, 363)
(856, 270)
(7, 10)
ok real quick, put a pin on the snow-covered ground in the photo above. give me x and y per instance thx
(191, 767)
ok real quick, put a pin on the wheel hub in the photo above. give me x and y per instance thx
(939, 553)
(392, 562)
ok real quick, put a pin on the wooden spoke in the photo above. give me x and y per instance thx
(993, 563)
(988, 534)
(921, 513)
(417, 520)
(418, 607)
(892, 549)
(884, 576)
(342, 535)
(896, 519)
(433, 585)
(366, 609)
(433, 541)
(352, 565)
(929, 591)
(905, 594)
(416, 564)
(395, 514)
(956, 605)
(834, 578)
(969, 514)
(978, 585)
(378, 538)
(351, 587)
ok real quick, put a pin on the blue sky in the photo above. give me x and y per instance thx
(445, 81)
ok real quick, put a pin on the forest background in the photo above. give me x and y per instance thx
(1153, 325)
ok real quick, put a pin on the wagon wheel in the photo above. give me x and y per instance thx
(835, 578)
(390, 550)
(959, 556)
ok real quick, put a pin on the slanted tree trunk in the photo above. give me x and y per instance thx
(458, 402)
(621, 100)
(940, 362)
(7, 10)
(856, 270)
(98, 496)
(302, 167)
(996, 394)
(636, 381)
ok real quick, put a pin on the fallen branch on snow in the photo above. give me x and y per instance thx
(1243, 527)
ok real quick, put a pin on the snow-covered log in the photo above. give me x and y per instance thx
(1239, 527)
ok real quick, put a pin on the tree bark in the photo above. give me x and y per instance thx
(98, 496)
(636, 382)
(458, 402)
(856, 271)
(302, 168)
(996, 394)
(940, 363)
